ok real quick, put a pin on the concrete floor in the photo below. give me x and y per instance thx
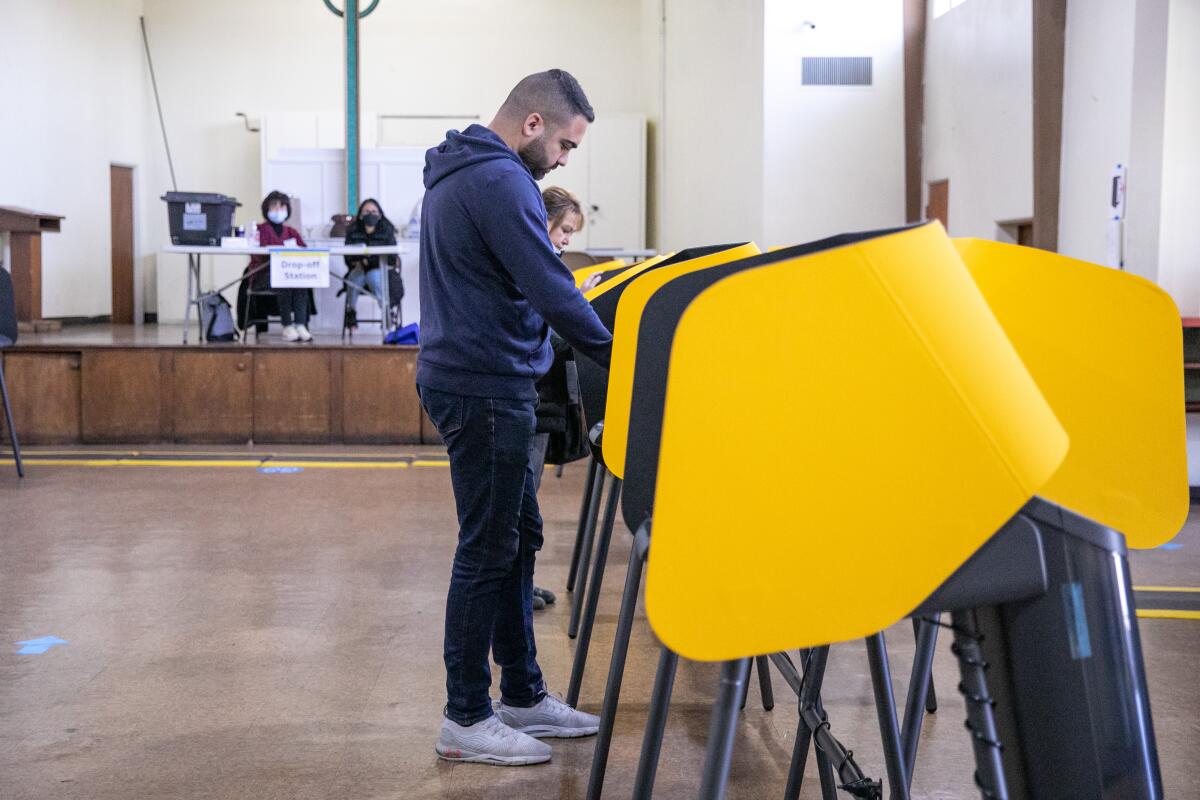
(236, 634)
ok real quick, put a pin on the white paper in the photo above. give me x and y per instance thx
(300, 269)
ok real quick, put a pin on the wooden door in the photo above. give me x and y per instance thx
(939, 202)
(44, 389)
(121, 209)
(293, 397)
(379, 396)
(125, 399)
(214, 395)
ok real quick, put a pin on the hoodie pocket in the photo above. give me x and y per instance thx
(444, 409)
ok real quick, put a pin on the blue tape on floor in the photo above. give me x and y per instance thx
(1170, 546)
(280, 470)
(35, 647)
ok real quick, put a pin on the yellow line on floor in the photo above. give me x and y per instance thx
(33, 453)
(1167, 613)
(339, 464)
(242, 463)
(1166, 588)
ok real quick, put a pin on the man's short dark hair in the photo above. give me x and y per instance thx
(555, 94)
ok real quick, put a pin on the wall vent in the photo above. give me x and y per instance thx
(836, 71)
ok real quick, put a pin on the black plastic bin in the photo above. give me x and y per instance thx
(199, 218)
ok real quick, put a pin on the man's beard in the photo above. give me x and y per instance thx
(534, 157)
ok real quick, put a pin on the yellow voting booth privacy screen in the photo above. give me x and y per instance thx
(824, 501)
(632, 272)
(624, 349)
(583, 273)
(1105, 348)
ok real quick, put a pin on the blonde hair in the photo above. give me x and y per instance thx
(559, 202)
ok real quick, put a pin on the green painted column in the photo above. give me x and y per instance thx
(351, 16)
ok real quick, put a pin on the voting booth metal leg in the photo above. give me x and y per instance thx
(920, 692)
(981, 720)
(885, 708)
(764, 684)
(585, 555)
(835, 764)
(593, 592)
(12, 430)
(588, 485)
(810, 691)
(721, 729)
(931, 696)
(763, 664)
(587, 523)
(616, 667)
(656, 724)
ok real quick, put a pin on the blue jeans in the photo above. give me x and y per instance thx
(490, 603)
(356, 279)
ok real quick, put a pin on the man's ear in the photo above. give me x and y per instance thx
(534, 125)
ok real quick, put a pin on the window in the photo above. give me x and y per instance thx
(940, 7)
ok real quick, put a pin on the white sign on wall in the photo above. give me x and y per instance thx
(299, 269)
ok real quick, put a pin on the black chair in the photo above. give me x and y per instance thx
(8, 337)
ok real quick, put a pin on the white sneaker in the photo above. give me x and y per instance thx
(489, 742)
(291, 334)
(305, 336)
(550, 718)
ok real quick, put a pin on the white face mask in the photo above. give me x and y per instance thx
(277, 216)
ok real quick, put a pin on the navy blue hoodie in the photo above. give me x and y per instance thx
(490, 280)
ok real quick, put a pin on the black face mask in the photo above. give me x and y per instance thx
(371, 220)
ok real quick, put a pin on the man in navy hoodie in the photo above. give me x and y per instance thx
(490, 284)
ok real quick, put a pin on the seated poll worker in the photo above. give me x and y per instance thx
(294, 305)
(371, 227)
(564, 217)
(491, 284)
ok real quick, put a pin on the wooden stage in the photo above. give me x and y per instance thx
(91, 384)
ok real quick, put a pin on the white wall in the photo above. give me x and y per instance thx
(979, 113)
(73, 73)
(454, 57)
(1179, 243)
(1097, 103)
(73, 87)
(712, 123)
(833, 156)
(1113, 100)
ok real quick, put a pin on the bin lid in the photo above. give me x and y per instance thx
(211, 198)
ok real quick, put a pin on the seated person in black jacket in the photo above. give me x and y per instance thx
(371, 227)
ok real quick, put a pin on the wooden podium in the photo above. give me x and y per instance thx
(25, 229)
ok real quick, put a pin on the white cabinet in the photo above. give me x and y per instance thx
(608, 174)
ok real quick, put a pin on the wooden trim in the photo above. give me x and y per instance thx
(337, 425)
(915, 15)
(166, 388)
(26, 251)
(132, 394)
(120, 193)
(1049, 34)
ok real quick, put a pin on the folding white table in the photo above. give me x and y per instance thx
(196, 252)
